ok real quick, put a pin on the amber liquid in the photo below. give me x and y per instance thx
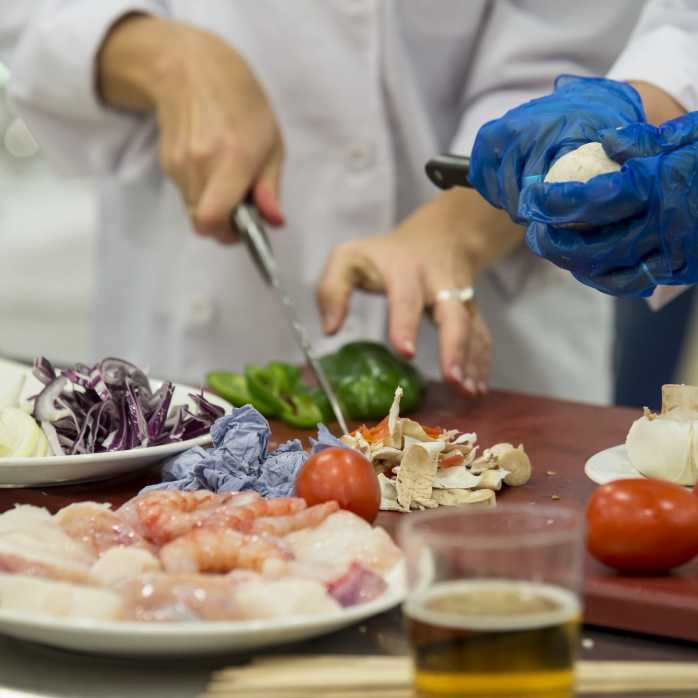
(493, 639)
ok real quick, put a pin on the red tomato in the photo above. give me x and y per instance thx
(642, 525)
(344, 475)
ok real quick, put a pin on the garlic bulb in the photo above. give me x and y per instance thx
(665, 445)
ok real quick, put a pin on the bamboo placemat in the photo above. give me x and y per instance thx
(359, 676)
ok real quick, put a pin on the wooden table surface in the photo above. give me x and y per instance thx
(559, 437)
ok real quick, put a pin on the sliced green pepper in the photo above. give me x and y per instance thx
(365, 375)
(230, 386)
(270, 386)
(302, 411)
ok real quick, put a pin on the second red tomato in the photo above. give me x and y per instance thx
(343, 475)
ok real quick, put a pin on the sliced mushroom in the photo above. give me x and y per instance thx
(415, 430)
(455, 478)
(394, 412)
(415, 477)
(515, 460)
(483, 498)
(491, 479)
(386, 455)
(350, 441)
(389, 494)
(486, 461)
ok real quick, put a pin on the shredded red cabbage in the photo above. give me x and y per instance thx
(112, 407)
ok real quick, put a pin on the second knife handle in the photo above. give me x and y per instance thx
(447, 171)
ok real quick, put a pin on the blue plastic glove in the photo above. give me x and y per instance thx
(519, 148)
(633, 229)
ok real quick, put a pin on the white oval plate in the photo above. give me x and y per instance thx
(611, 464)
(60, 470)
(132, 639)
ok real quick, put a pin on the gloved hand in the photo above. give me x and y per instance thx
(519, 148)
(633, 229)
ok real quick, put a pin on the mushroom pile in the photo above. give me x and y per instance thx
(422, 467)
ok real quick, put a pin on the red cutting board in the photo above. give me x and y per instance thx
(559, 437)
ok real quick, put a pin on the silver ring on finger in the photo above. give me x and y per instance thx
(463, 295)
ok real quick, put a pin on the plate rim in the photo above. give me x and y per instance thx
(587, 466)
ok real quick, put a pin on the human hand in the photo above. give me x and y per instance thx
(411, 265)
(629, 231)
(519, 147)
(219, 139)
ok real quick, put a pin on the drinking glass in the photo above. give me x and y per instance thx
(493, 606)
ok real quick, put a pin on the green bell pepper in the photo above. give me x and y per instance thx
(230, 386)
(365, 375)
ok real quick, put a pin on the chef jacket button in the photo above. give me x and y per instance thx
(201, 311)
(359, 157)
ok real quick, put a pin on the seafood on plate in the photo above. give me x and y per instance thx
(422, 467)
(190, 556)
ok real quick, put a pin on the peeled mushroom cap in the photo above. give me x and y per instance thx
(515, 460)
(492, 480)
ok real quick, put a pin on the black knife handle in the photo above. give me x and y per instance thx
(447, 171)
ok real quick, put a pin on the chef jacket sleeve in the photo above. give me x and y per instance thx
(53, 87)
(663, 50)
(524, 46)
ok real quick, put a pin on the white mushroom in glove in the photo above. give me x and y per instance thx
(580, 165)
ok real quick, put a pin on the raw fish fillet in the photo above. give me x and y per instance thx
(97, 526)
(344, 538)
(43, 597)
(357, 585)
(121, 563)
(32, 544)
(163, 597)
(282, 598)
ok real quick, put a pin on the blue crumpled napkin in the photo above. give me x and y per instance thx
(239, 459)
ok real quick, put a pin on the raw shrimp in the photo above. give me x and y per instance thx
(164, 516)
(243, 516)
(97, 526)
(306, 518)
(220, 550)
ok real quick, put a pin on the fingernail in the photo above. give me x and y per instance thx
(482, 387)
(469, 385)
(408, 346)
(457, 374)
(330, 323)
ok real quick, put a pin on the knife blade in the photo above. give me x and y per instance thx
(245, 218)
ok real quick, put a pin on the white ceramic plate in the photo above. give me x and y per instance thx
(60, 470)
(194, 638)
(611, 464)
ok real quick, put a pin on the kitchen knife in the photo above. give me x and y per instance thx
(246, 220)
(447, 171)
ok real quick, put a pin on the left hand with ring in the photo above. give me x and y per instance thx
(426, 263)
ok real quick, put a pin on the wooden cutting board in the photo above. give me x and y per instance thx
(559, 437)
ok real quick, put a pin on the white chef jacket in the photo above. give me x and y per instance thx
(46, 235)
(366, 91)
